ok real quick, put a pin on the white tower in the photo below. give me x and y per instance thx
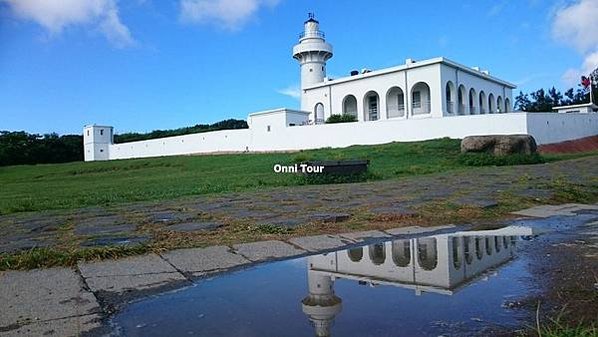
(312, 52)
(96, 142)
(321, 305)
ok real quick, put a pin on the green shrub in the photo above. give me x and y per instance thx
(341, 119)
(487, 159)
(324, 179)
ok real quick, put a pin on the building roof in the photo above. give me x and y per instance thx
(412, 65)
(583, 105)
(276, 111)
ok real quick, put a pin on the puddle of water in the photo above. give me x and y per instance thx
(441, 284)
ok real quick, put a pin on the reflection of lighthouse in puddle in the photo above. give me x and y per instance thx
(321, 305)
(439, 264)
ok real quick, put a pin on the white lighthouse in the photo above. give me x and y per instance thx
(312, 52)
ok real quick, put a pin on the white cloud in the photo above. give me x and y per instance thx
(56, 15)
(576, 25)
(228, 14)
(571, 77)
(292, 91)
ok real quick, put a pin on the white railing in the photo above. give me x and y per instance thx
(450, 107)
(420, 108)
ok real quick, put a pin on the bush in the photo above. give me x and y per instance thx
(486, 159)
(327, 178)
(341, 119)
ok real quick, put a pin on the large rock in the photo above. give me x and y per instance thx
(499, 145)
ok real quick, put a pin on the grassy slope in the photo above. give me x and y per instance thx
(41, 187)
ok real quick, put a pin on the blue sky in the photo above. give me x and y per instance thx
(141, 65)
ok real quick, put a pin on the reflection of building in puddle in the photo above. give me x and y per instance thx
(439, 263)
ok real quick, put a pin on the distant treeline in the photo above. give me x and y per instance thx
(228, 124)
(22, 148)
(18, 148)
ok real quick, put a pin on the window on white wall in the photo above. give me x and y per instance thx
(268, 128)
(101, 132)
(417, 99)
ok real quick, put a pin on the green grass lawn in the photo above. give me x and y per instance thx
(55, 186)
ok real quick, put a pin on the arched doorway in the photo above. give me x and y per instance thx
(450, 97)
(371, 106)
(355, 254)
(420, 99)
(395, 103)
(472, 101)
(427, 254)
(377, 253)
(461, 100)
(401, 253)
(319, 113)
(350, 105)
(482, 102)
(491, 103)
(499, 105)
(507, 105)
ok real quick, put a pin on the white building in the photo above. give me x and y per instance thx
(416, 101)
(426, 89)
(577, 108)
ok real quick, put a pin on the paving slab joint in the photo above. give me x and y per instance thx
(185, 275)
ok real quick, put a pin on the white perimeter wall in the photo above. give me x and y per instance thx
(550, 128)
(545, 127)
(207, 142)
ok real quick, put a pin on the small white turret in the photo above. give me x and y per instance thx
(96, 142)
(312, 52)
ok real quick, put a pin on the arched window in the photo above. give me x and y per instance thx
(377, 253)
(401, 253)
(456, 252)
(371, 106)
(482, 102)
(491, 103)
(467, 249)
(427, 254)
(507, 105)
(497, 243)
(478, 248)
(355, 254)
(319, 113)
(499, 106)
(350, 105)
(472, 101)
(395, 103)
(420, 99)
(461, 100)
(450, 97)
(488, 245)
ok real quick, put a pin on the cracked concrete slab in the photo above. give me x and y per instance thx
(545, 211)
(43, 294)
(65, 327)
(133, 273)
(122, 283)
(265, 250)
(145, 264)
(320, 242)
(361, 236)
(204, 259)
